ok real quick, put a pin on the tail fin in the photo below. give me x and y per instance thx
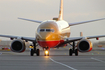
(61, 11)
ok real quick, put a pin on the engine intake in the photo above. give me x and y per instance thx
(84, 45)
(18, 46)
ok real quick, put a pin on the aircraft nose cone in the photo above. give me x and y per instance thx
(48, 40)
(45, 36)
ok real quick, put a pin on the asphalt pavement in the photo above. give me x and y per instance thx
(58, 60)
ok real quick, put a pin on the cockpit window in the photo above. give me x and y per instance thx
(46, 30)
(42, 30)
(49, 30)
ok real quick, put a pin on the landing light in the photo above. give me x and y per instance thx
(46, 52)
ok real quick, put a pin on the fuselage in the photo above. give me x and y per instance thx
(52, 33)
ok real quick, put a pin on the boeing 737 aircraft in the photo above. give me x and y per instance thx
(53, 34)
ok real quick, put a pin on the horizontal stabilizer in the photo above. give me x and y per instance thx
(31, 20)
(77, 23)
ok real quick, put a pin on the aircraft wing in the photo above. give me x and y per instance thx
(91, 37)
(31, 20)
(71, 39)
(71, 24)
(18, 37)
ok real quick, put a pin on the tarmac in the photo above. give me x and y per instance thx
(58, 60)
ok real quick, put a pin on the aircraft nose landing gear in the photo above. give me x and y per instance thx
(46, 53)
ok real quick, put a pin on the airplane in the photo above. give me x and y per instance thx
(53, 34)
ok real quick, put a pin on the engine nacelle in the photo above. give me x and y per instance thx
(18, 46)
(84, 45)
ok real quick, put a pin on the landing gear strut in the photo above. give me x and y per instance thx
(34, 50)
(73, 50)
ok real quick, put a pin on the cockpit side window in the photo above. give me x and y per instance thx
(52, 30)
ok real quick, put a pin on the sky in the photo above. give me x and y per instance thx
(74, 11)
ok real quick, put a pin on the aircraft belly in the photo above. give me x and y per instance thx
(50, 44)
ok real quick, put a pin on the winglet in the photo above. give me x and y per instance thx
(61, 11)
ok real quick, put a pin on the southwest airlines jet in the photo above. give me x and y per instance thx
(53, 34)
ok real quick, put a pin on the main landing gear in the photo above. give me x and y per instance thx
(46, 52)
(34, 50)
(73, 50)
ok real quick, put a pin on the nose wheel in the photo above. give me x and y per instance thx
(46, 51)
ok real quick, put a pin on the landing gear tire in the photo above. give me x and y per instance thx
(32, 52)
(37, 52)
(76, 52)
(46, 55)
(70, 52)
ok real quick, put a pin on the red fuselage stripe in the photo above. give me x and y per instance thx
(50, 44)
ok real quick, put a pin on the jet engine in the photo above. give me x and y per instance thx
(84, 45)
(18, 46)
